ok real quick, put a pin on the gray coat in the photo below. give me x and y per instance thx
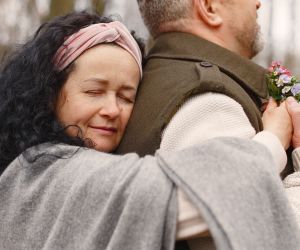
(65, 197)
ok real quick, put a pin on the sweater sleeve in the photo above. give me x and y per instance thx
(201, 118)
(292, 185)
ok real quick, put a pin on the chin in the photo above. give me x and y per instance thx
(104, 148)
(258, 43)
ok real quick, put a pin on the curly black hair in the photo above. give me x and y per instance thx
(29, 86)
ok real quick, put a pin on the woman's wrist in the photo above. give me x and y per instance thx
(275, 147)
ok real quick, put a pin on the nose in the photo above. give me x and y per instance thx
(258, 4)
(110, 108)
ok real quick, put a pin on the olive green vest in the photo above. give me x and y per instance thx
(180, 66)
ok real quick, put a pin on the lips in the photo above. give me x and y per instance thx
(109, 130)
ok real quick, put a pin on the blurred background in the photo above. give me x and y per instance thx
(278, 20)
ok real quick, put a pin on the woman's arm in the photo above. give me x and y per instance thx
(204, 117)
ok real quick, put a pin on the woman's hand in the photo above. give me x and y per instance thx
(276, 119)
(293, 108)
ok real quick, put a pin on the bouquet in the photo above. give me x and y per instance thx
(281, 83)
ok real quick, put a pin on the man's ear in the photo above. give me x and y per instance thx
(208, 11)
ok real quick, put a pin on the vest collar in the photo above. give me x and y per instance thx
(184, 46)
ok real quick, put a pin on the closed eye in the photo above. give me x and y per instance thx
(126, 99)
(94, 92)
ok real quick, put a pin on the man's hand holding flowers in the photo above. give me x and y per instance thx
(285, 88)
(277, 120)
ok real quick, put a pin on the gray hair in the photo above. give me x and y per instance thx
(157, 13)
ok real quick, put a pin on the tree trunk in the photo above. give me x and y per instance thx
(98, 5)
(60, 7)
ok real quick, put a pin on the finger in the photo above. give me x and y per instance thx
(292, 105)
(272, 104)
(290, 100)
(284, 105)
(293, 108)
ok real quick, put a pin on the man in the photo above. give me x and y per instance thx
(198, 82)
(200, 47)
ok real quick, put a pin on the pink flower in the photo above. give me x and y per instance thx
(270, 69)
(275, 64)
(284, 70)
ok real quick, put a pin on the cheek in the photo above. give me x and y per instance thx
(75, 112)
(126, 115)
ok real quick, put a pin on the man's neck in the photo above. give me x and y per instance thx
(218, 36)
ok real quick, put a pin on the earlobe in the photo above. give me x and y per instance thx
(207, 10)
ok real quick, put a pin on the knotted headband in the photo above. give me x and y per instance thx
(113, 32)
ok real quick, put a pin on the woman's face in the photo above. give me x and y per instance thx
(99, 95)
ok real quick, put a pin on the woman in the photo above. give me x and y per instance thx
(72, 87)
(36, 122)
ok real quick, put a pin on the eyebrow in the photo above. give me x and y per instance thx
(106, 82)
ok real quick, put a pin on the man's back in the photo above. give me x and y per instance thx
(180, 66)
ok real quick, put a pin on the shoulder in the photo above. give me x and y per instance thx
(203, 117)
(63, 159)
(209, 104)
(67, 168)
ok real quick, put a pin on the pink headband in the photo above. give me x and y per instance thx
(95, 34)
